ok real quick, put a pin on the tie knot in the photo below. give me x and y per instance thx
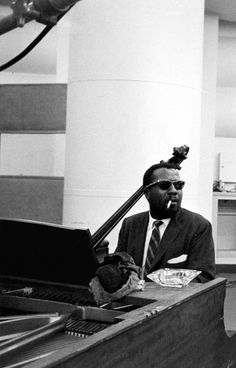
(157, 223)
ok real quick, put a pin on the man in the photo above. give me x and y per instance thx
(185, 238)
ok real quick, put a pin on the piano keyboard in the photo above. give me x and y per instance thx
(83, 328)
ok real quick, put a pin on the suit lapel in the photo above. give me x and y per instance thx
(140, 238)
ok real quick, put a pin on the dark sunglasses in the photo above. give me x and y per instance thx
(166, 184)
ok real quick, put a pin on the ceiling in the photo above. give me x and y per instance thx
(226, 9)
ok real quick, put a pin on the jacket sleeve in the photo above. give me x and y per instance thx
(201, 254)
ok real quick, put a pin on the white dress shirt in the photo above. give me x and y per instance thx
(162, 229)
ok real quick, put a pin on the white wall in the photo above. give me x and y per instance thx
(225, 127)
(208, 113)
(227, 146)
(32, 154)
(226, 81)
(226, 111)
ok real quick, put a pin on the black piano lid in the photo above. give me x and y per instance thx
(46, 252)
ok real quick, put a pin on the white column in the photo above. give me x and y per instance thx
(134, 93)
(208, 115)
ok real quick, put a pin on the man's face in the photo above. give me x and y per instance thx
(159, 198)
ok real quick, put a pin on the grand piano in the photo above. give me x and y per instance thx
(49, 318)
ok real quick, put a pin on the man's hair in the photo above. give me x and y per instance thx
(148, 175)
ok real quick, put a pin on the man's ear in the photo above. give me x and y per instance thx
(147, 194)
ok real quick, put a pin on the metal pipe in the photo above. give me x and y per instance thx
(53, 6)
(40, 10)
(7, 24)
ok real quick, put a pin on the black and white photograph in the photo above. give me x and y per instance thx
(118, 183)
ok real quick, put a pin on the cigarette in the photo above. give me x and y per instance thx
(169, 204)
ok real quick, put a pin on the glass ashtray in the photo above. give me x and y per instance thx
(172, 277)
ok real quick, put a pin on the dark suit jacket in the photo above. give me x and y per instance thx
(188, 233)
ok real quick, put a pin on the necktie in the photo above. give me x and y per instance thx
(153, 246)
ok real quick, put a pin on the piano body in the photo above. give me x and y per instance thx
(48, 317)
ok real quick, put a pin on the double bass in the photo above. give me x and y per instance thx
(178, 156)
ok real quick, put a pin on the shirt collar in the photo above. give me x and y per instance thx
(151, 221)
